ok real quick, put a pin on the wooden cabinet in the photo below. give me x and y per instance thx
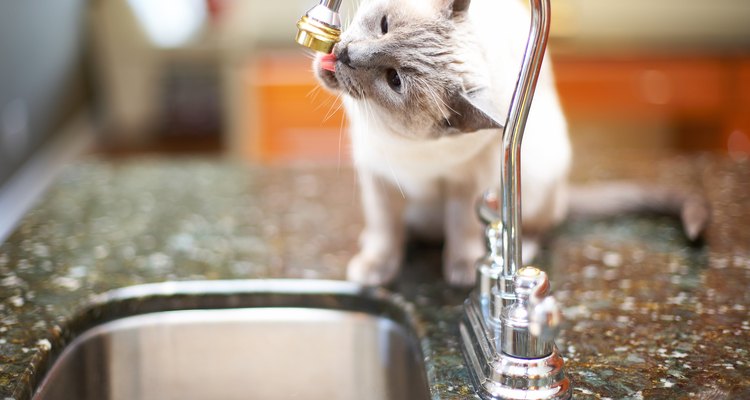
(736, 132)
(704, 99)
(641, 88)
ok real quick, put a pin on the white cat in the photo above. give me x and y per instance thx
(412, 72)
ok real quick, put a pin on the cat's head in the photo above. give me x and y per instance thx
(414, 65)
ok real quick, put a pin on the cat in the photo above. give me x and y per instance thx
(422, 83)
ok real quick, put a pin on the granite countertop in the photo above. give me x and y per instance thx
(647, 314)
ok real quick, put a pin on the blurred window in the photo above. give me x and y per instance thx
(170, 23)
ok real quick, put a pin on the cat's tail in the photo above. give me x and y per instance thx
(612, 198)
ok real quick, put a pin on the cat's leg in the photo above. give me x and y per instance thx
(464, 239)
(382, 239)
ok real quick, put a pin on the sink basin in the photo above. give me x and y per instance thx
(243, 340)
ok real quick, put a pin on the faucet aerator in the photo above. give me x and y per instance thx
(320, 28)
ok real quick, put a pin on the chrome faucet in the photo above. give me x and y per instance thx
(510, 320)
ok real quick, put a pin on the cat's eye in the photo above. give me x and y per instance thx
(384, 24)
(394, 80)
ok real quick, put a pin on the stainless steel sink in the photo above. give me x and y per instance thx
(243, 340)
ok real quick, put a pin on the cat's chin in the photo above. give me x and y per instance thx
(327, 78)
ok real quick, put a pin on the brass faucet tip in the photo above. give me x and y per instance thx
(316, 35)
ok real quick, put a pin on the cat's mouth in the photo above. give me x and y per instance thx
(327, 77)
(336, 79)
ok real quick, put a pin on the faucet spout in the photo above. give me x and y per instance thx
(320, 28)
(502, 296)
(513, 135)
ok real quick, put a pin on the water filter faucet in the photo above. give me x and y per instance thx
(510, 320)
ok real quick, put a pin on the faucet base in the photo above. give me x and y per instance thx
(498, 376)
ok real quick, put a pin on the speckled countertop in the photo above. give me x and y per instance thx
(648, 316)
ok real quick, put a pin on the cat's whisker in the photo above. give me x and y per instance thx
(393, 172)
(331, 111)
(438, 101)
(432, 96)
(330, 102)
(309, 54)
(313, 93)
(321, 104)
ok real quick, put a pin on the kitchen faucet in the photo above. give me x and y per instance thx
(509, 321)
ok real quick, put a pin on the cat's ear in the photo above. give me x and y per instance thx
(451, 8)
(471, 112)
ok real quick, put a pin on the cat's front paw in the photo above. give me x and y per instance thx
(459, 261)
(373, 270)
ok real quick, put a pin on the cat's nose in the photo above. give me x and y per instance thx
(343, 56)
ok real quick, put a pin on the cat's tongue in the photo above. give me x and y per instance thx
(328, 62)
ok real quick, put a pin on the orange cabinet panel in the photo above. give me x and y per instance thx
(641, 88)
(736, 135)
(293, 119)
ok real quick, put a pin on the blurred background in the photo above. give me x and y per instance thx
(224, 78)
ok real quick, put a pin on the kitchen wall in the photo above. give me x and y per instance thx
(41, 74)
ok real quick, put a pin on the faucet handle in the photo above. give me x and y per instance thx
(532, 322)
(544, 318)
